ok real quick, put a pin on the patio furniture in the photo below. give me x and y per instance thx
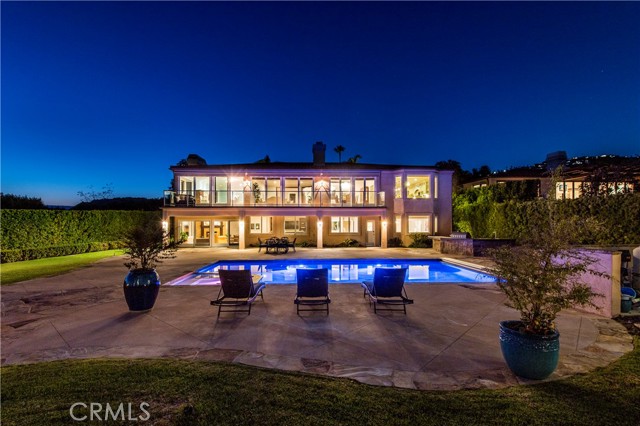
(276, 245)
(292, 244)
(313, 290)
(387, 289)
(238, 290)
(261, 245)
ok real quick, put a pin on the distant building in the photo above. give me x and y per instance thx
(600, 175)
(316, 202)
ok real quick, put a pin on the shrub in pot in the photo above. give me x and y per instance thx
(540, 277)
(145, 245)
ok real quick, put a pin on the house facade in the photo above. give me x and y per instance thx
(318, 204)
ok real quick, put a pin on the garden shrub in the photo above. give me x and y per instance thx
(420, 241)
(395, 242)
(34, 234)
(349, 242)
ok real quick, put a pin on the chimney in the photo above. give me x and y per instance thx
(555, 159)
(318, 149)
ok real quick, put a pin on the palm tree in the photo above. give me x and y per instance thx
(339, 149)
(354, 159)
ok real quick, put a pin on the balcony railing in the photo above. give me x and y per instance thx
(273, 199)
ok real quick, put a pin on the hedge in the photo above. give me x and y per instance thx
(477, 212)
(34, 234)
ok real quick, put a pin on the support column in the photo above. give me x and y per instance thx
(319, 232)
(384, 225)
(241, 244)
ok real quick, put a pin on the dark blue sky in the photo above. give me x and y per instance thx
(115, 92)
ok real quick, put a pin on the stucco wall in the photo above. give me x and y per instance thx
(609, 263)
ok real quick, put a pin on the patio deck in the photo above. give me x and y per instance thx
(448, 339)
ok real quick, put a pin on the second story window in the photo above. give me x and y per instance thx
(418, 187)
(397, 191)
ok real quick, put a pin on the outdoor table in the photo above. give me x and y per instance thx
(277, 245)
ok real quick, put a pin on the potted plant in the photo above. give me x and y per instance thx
(146, 245)
(540, 277)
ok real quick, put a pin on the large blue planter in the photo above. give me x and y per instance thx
(529, 355)
(141, 287)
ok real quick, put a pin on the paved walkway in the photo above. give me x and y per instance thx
(448, 339)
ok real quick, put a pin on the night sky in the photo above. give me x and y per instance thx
(98, 93)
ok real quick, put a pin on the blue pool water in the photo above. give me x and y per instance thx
(345, 271)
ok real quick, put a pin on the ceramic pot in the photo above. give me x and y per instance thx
(141, 287)
(528, 355)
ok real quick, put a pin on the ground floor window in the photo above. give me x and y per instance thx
(260, 225)
(398, 224)
(344, 224)
(295, 225)
(419, 224)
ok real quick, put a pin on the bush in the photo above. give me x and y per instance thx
(420, 241)
(349, 242)
(395, 242)
(34, 234)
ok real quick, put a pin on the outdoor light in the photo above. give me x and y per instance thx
(165, 225)
(384, 223)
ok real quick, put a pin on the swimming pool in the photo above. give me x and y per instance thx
(341, 271)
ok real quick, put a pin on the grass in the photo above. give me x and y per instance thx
(206, 393)
(21, 271)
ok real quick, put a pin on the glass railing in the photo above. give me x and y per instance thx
(273, 199)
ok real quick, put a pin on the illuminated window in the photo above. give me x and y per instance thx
(398, 187)
(260, 225)
(221, 189)
(344, 225)
(418, 224)
(418, 187)
(295, 225)
(398, 224)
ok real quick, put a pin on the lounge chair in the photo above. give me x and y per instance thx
(387, 288)
(313, 289)
(292, 244)
(261, 244)
(237, 291)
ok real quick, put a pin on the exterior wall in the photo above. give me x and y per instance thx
(609, 304)
(437, 207)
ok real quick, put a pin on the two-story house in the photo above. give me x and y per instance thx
(317, 203)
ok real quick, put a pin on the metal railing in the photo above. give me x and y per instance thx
(273, 199)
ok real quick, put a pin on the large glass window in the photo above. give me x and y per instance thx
(221, 189)
(260, 225)
(237, 190)
(306, 191)
(341, 191)
(418, 224)
(291, 193)
(295, 225)
(258, 190)
(344, 225)
(273, 191)
(364, 191)
(418, 187)
(202, 190)
(398, 224)
(398, 187)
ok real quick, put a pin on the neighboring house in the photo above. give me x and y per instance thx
(318, 203)
(601, 175)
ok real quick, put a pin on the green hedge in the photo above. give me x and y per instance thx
(34, 234)
(477, 212)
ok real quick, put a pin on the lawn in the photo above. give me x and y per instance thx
(209, 393)
(20, 271)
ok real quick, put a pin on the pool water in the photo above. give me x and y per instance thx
(346, 271)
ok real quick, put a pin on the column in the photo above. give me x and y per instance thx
(383, 235)
(319, 232)
(241, 245)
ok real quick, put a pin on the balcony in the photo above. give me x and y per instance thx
(273, 199)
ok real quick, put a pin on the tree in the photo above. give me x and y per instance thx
(459, 175)
(354, 159)
(265, 160)
(92, 195)
(339, 150)
(10, 201)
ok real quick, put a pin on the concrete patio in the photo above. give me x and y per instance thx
(448, 339)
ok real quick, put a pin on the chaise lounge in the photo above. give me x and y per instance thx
(313, 290)
(387, 289)
(238, 290)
